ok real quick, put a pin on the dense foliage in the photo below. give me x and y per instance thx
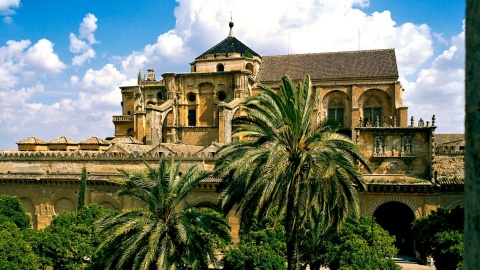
(360, 244)
(261, 247)
(283, 158)
(440, 235)
(166, 233)
(15, 252)
(70, 241)
(12, 210)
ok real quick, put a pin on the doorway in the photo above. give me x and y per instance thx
(397, 218)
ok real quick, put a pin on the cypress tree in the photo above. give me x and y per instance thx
(83, 187)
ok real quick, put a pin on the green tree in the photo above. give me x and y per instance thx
(70, 241)
(261, 247)
(15, 252)
(83, 187)
(283, 158)
(360, 244)
(167, 233)
(11, 209)
(440, 235)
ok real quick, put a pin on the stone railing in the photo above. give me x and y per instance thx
(98, 155)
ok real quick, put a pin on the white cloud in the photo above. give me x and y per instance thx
(86, 113)
(305, 26)
(439, 89)
(41, 58)
(20, 62)
(7, 8)
(88, 27)
(82, 45)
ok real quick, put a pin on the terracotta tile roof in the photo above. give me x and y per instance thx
(331, 65)
(182, 148)
(95, 141)
(229, 45)
(126, 139)
(139, 148)
(451, 138)
(63, 140)
(32, 140)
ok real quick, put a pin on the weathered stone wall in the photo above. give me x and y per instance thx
(449, 167)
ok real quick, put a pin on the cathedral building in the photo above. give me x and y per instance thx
(187, 116)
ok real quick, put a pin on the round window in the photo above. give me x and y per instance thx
(191, 97)
(221, 95)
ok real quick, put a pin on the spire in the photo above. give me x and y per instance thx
(231, 27)
(139, 79)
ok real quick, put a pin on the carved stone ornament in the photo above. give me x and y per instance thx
(393, 166)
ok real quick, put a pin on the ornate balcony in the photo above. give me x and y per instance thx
(122, 118)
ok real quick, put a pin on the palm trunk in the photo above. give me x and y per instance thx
(292, 230)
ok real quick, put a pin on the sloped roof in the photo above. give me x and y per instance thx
(229, 45)
(126, 140)
(62, 140)
(450, 138)
(129, 148)
(331, 65)
(182, 148)
(211, 148)
(95, 141)
(32, 140)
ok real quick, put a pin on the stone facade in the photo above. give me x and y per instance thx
(187, 116)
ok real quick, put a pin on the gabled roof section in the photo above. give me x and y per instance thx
(331, 65)
(63, 140)
(33, 140)
(229, 45)
(95, 141)
(126, 140)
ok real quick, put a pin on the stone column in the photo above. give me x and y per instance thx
(472, 138)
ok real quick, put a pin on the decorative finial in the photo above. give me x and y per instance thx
(231, 26)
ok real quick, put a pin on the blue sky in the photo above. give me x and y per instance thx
(61, 62)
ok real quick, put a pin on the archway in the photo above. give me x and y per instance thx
(397, 218)
(64, 204)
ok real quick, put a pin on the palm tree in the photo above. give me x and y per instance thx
(283, 158)
(163, 234)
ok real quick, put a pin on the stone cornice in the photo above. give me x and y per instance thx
(98, 156)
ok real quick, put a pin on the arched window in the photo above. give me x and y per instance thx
(372, 110)
(336, 110)
(220, 68)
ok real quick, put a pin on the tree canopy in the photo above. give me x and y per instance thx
(284, 159)
(166, 232)
(440, 235)
(12, 209)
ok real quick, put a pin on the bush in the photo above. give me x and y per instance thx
(361, 244)
(440, 235)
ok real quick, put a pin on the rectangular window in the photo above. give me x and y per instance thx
(192, 118)
(371, 115)
(331, 113)
(340, 116)
(367, 113)
(377, 112)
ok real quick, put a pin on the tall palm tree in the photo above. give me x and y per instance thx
(163, 234)
(283, 158)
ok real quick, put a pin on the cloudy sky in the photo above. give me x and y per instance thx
(61, 62)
